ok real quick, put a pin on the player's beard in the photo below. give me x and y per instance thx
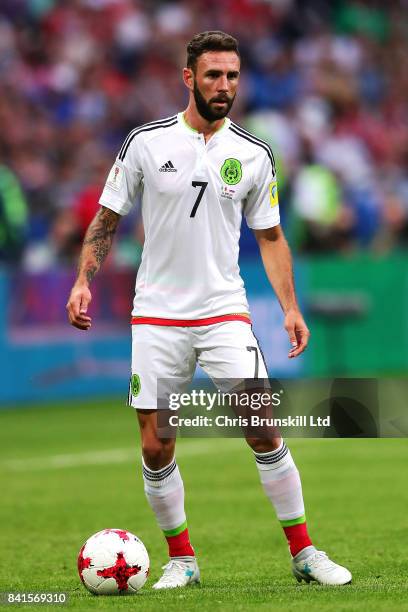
(206, 110)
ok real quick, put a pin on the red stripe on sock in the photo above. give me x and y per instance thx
(179, 545)
(298, 538)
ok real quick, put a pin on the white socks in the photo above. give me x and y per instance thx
(281, 482)
(279, 477)
(165, 493)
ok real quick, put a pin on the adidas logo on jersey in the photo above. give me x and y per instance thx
(168, 167)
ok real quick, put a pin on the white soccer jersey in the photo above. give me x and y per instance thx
(193, 198)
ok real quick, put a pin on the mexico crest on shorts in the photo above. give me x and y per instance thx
(231, 171)
(135, 384)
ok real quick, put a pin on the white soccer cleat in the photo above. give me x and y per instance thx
(317, 566)
(179, 572)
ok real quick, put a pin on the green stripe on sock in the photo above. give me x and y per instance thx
(296, 521)
(176, 530)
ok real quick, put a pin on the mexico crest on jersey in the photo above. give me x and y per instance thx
(231, 171)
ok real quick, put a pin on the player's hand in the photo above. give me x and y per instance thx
(77, 306)
(298, 332)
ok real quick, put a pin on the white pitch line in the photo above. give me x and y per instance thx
(114, 455)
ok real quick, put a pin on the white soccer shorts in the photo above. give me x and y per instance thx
(227, 350)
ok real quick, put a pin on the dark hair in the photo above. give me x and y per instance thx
(209, 41)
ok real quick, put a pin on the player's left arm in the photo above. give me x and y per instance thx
(277, 261)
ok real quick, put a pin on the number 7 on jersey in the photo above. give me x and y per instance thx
(203, 185)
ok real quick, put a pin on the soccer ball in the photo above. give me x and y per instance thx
(113, 561)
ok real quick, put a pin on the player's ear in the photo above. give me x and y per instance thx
(188, 78)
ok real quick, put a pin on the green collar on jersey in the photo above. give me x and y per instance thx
(187, 124)
(196, 131)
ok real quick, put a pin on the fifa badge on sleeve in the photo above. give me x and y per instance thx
(115, 177)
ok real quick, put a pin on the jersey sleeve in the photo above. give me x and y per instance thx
(124, 178)
(261, 208)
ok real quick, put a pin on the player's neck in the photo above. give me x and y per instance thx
(196, 122)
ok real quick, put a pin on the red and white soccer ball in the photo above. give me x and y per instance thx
(113, 561)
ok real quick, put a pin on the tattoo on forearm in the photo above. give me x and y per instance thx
(98, 240)
(90, 273)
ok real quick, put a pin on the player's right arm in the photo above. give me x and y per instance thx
(116, 200)
(97, 243)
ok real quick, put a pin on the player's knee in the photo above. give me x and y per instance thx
(157, 452)
(263, 445)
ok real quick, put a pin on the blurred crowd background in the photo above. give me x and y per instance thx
(324, 82)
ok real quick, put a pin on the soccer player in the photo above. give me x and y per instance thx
(198, 172)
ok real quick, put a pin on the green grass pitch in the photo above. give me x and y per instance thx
(68, 471)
